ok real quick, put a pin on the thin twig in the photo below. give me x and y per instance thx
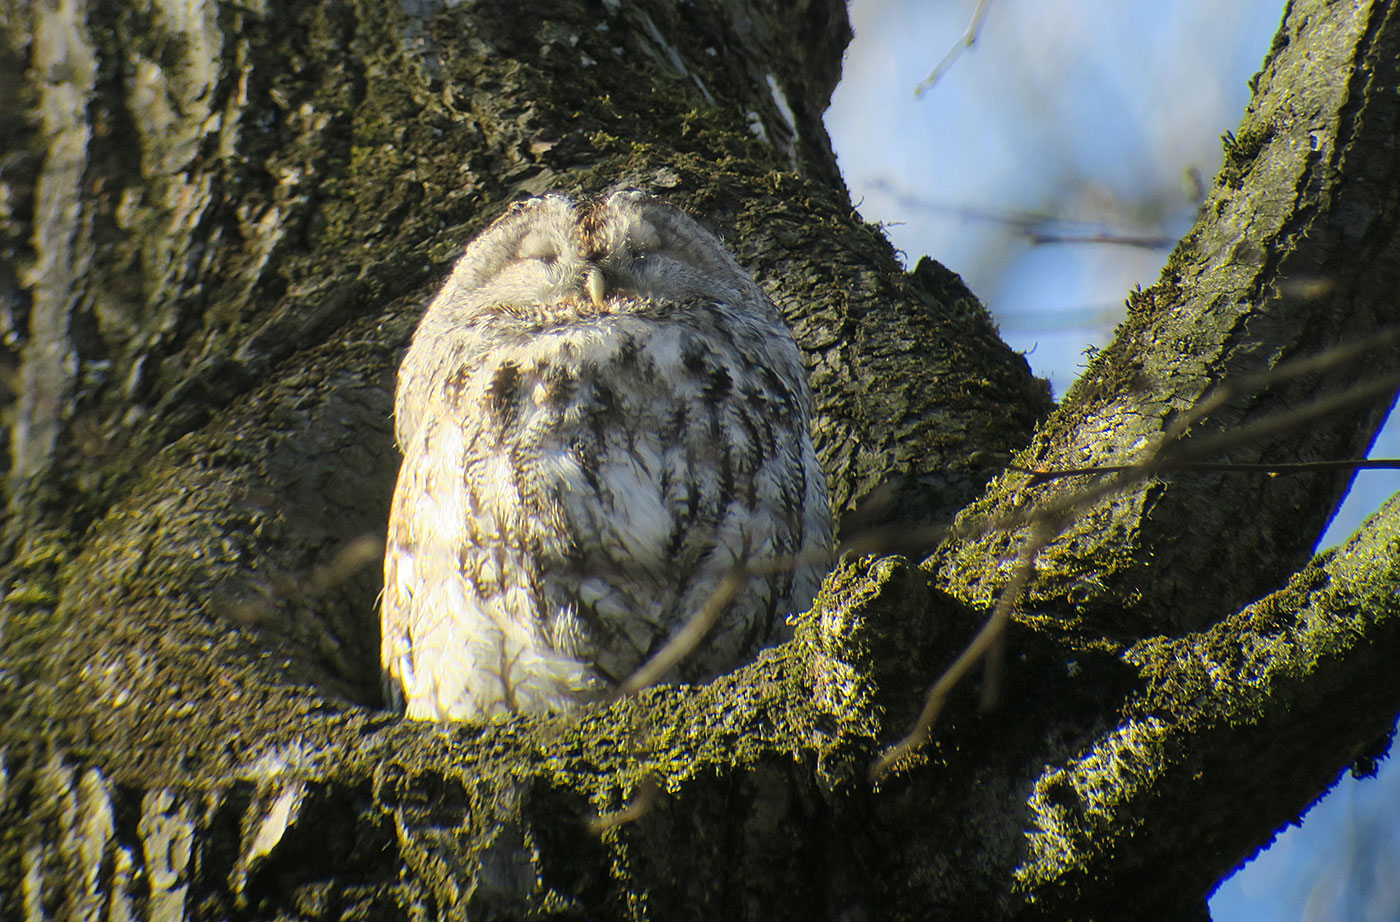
(637, 808)
(985, 640)
(684, 641)
(1049, 520)
(876, 540)
(1302, 467)
(969, 38)
(1294, 368)
(1037, 228)
(1370, 391)
(688, 637)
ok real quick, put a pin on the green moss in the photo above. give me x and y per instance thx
(1240, 682)
(24, 594)
(1242, 150)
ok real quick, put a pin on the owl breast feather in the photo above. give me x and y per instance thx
(610, 471)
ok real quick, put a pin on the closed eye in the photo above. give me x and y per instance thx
(655, 260)
(538, 247)
(641, 255)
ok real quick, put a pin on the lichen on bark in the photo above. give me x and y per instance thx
(267, 196)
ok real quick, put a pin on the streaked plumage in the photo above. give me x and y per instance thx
(599, 414)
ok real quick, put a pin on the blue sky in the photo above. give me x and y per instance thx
(1092, 118)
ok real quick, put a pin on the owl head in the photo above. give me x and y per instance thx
(552, 261)
(625, 246)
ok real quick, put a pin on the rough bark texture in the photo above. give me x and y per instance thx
(219, 223)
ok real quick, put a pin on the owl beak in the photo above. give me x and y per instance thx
(595, 285)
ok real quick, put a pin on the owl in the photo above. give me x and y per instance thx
(601, 416)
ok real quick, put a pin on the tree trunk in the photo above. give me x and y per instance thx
(220, 223)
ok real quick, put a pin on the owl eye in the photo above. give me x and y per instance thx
(640, 253)
(538, 247)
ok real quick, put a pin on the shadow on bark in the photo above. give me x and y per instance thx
(228, 268)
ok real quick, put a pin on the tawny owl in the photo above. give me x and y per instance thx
(600, 414)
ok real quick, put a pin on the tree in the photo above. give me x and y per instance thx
(220, 225)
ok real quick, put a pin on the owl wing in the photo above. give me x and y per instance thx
(689, 459)
(460, 638)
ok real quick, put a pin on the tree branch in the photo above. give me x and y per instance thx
(189, 718)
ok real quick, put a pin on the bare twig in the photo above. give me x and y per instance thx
(637, 808)
(878, 540)
(1039, 476)
(688, 637)
(1048, 520)
(1038, 228)
(693, 632)
(1295, 368)
(985, 640)
(969, 38)
(349, 559)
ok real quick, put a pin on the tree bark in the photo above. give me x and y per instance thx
(220, 225)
